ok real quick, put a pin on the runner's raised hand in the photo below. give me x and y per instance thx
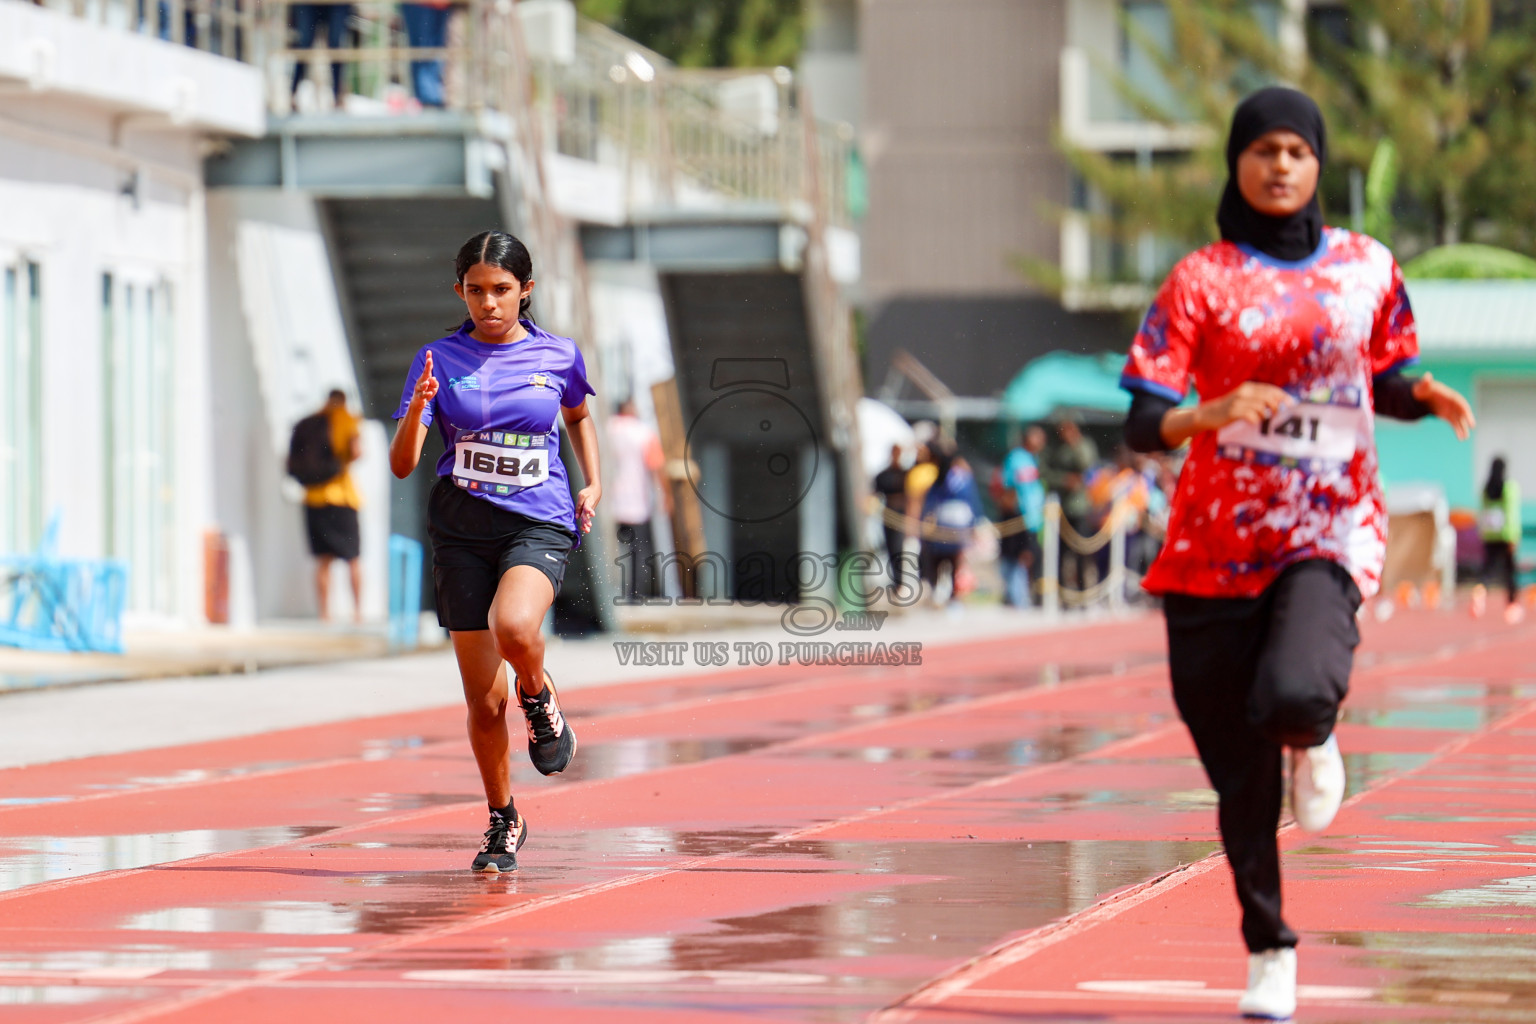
(426, 384)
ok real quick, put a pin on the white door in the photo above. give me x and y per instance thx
(138, 331)
(20, 412)
(1506, 425)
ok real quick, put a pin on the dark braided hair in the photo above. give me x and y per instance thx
(501, 250)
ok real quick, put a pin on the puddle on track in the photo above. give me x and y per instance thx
(152, 958)
(1489, 976)
(870, 944)
(28, 860)
(1438, 702)
(21, 995)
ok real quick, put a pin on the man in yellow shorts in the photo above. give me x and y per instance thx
(330, 505)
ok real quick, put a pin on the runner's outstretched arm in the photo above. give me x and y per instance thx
(1446, 403)
(410, 432)
(583, 434)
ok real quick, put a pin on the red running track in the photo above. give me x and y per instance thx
(793, 845)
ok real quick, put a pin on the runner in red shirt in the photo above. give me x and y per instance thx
(1294, 335)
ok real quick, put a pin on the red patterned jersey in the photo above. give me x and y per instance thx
(1253, 499)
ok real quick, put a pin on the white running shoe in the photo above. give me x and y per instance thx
(1271, 985)
(1317, 784)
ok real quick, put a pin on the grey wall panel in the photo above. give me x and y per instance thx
(961, 96)
(395, 161)
(254, 163)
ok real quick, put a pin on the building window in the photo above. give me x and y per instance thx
(21, 379)
(138, 375)
(1146, 34)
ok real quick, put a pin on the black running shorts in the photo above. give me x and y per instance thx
(475, 542)
(333, 531)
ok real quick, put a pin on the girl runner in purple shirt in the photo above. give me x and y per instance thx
(501, 517)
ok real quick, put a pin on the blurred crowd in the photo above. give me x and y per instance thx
(948, 520)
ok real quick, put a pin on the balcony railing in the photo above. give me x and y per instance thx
(678, 136)
(686, 133)
(223, 27)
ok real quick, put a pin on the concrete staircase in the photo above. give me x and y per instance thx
(394, 263)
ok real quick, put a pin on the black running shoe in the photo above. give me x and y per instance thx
(502, 841)
(551, 740)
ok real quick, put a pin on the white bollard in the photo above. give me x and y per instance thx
(1050, 557)
(1117, 556)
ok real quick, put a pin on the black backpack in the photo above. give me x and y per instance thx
(311, 460)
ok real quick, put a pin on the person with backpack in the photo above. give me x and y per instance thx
(322, 448)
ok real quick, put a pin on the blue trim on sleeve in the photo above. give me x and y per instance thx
(1397, 367)
(1132, 383)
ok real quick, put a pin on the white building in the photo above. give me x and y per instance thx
(106, 410)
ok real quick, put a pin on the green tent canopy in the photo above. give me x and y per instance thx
(1061, 381)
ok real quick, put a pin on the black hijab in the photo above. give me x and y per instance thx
(1286, 238)
(1493, 490)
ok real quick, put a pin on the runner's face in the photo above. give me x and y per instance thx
(492, 296)
(1277, 173)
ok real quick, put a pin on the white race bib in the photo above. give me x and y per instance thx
(1318, 434)
(496, 462)
(1492, 520)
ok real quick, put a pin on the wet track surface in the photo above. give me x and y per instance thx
(790, 844)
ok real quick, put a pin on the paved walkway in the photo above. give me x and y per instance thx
(787, 844)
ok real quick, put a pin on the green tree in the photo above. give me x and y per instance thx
(1431, 102)
(1449, 83)
(708, 33)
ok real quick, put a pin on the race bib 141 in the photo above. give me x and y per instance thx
(1317, 434)
(497, 462)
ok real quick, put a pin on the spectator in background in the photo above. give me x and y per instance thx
(306, 21)
(1500, 527)
(426, 25)
(951, 508)
(919, 478)
(891, 485)
(330, 509)
(1119, 484)
(1012, 549)
(635, 459)
(1023, 499)
(1065, 473)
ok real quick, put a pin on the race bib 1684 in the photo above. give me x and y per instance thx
(497, 462)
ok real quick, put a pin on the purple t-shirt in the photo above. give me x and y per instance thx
(503, 403)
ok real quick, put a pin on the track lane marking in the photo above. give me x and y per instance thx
(810, 740)
(475, 921)
(472, 922)
(958, 983)
(771, 691)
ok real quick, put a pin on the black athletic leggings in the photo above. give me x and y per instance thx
(1250, 676)
(1499, 565)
